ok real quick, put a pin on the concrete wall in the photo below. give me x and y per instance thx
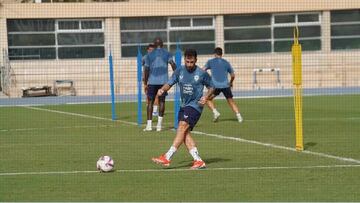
(321, 68)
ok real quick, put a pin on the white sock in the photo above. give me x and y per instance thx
(159, 121)
(170, 153)
(155, 108)
(149, 123)
(195, 154)
(215, 111)
(238, 115)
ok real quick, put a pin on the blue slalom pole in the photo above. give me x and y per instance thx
(177, 90)
(113, 112)
(139, 80)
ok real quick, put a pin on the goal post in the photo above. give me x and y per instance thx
(275, 72)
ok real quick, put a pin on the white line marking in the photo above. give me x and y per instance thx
(58, 127)
(220, 137)
(80, 115)
(277, 147)
(184, 169)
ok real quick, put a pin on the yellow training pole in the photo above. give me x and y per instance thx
(297, 81)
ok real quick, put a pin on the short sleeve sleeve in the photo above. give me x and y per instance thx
(230, 68)
(207, 80)
(174, 77)
(207, 65)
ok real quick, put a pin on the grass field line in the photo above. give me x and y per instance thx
(277, 147)
(79, 115)
(185, 169)
(58, 127)
(218, 136)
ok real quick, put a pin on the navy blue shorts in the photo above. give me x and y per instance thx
(152, 92)
(189, 115)
(226, 91)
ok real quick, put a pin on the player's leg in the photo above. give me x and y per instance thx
(165, 159)
(191, 146)
(229, 98)
(210, 103)
(155, 107)
(161, 101)
(151, 93)
(193, 117)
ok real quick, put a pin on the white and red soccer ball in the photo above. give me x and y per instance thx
(105, 164)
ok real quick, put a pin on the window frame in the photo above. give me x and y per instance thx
(343, 36)
(168, 43)
(55, 32)
(274, 25)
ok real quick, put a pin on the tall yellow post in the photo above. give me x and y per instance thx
(297, 81)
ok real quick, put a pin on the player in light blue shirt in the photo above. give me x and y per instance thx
(191, 80)
(155, 76)
(220, 68)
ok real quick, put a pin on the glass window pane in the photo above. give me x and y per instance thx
(304, 31)
(192, 36)
(149, 23)
(141, 37)
(350, 43)
(31, 39)
(308, 18)
(306, 45)
(68, 25)
(345, 16)
(180, 22)
(248, 47)
(32, 53)
(131, 51)
(345, 30)
(80, 38)
(285, 19)
(201, 49)
(247, 20)
(244, 34)
(30, 25)
(202, 22)
(81, 52)
(91, 24)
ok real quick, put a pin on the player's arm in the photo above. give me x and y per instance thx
(163, 90)
(146, 78)
(173, 65)
(230, 70)
(173, 79)
(209, 94)
(232, 78)
(211, 89)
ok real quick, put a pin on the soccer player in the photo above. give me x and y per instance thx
(220, 68)
(155, 76)
(191, 80)
(149, 49)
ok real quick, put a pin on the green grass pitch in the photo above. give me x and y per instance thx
(49, 153)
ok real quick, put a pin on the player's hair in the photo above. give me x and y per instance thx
(218, 51)
(150, 46)
(190, 53)
(158, 42)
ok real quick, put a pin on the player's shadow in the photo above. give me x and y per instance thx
(309, 145)
(226, 119)
(188, 163)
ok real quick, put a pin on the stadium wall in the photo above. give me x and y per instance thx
(324, 68)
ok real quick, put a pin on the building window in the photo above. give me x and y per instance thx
(345, 29)
(262, 33)
(55, 39)
(189, 32)
(80, 39)
(309, 31)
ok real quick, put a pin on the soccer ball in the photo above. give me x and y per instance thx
(105, 164)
